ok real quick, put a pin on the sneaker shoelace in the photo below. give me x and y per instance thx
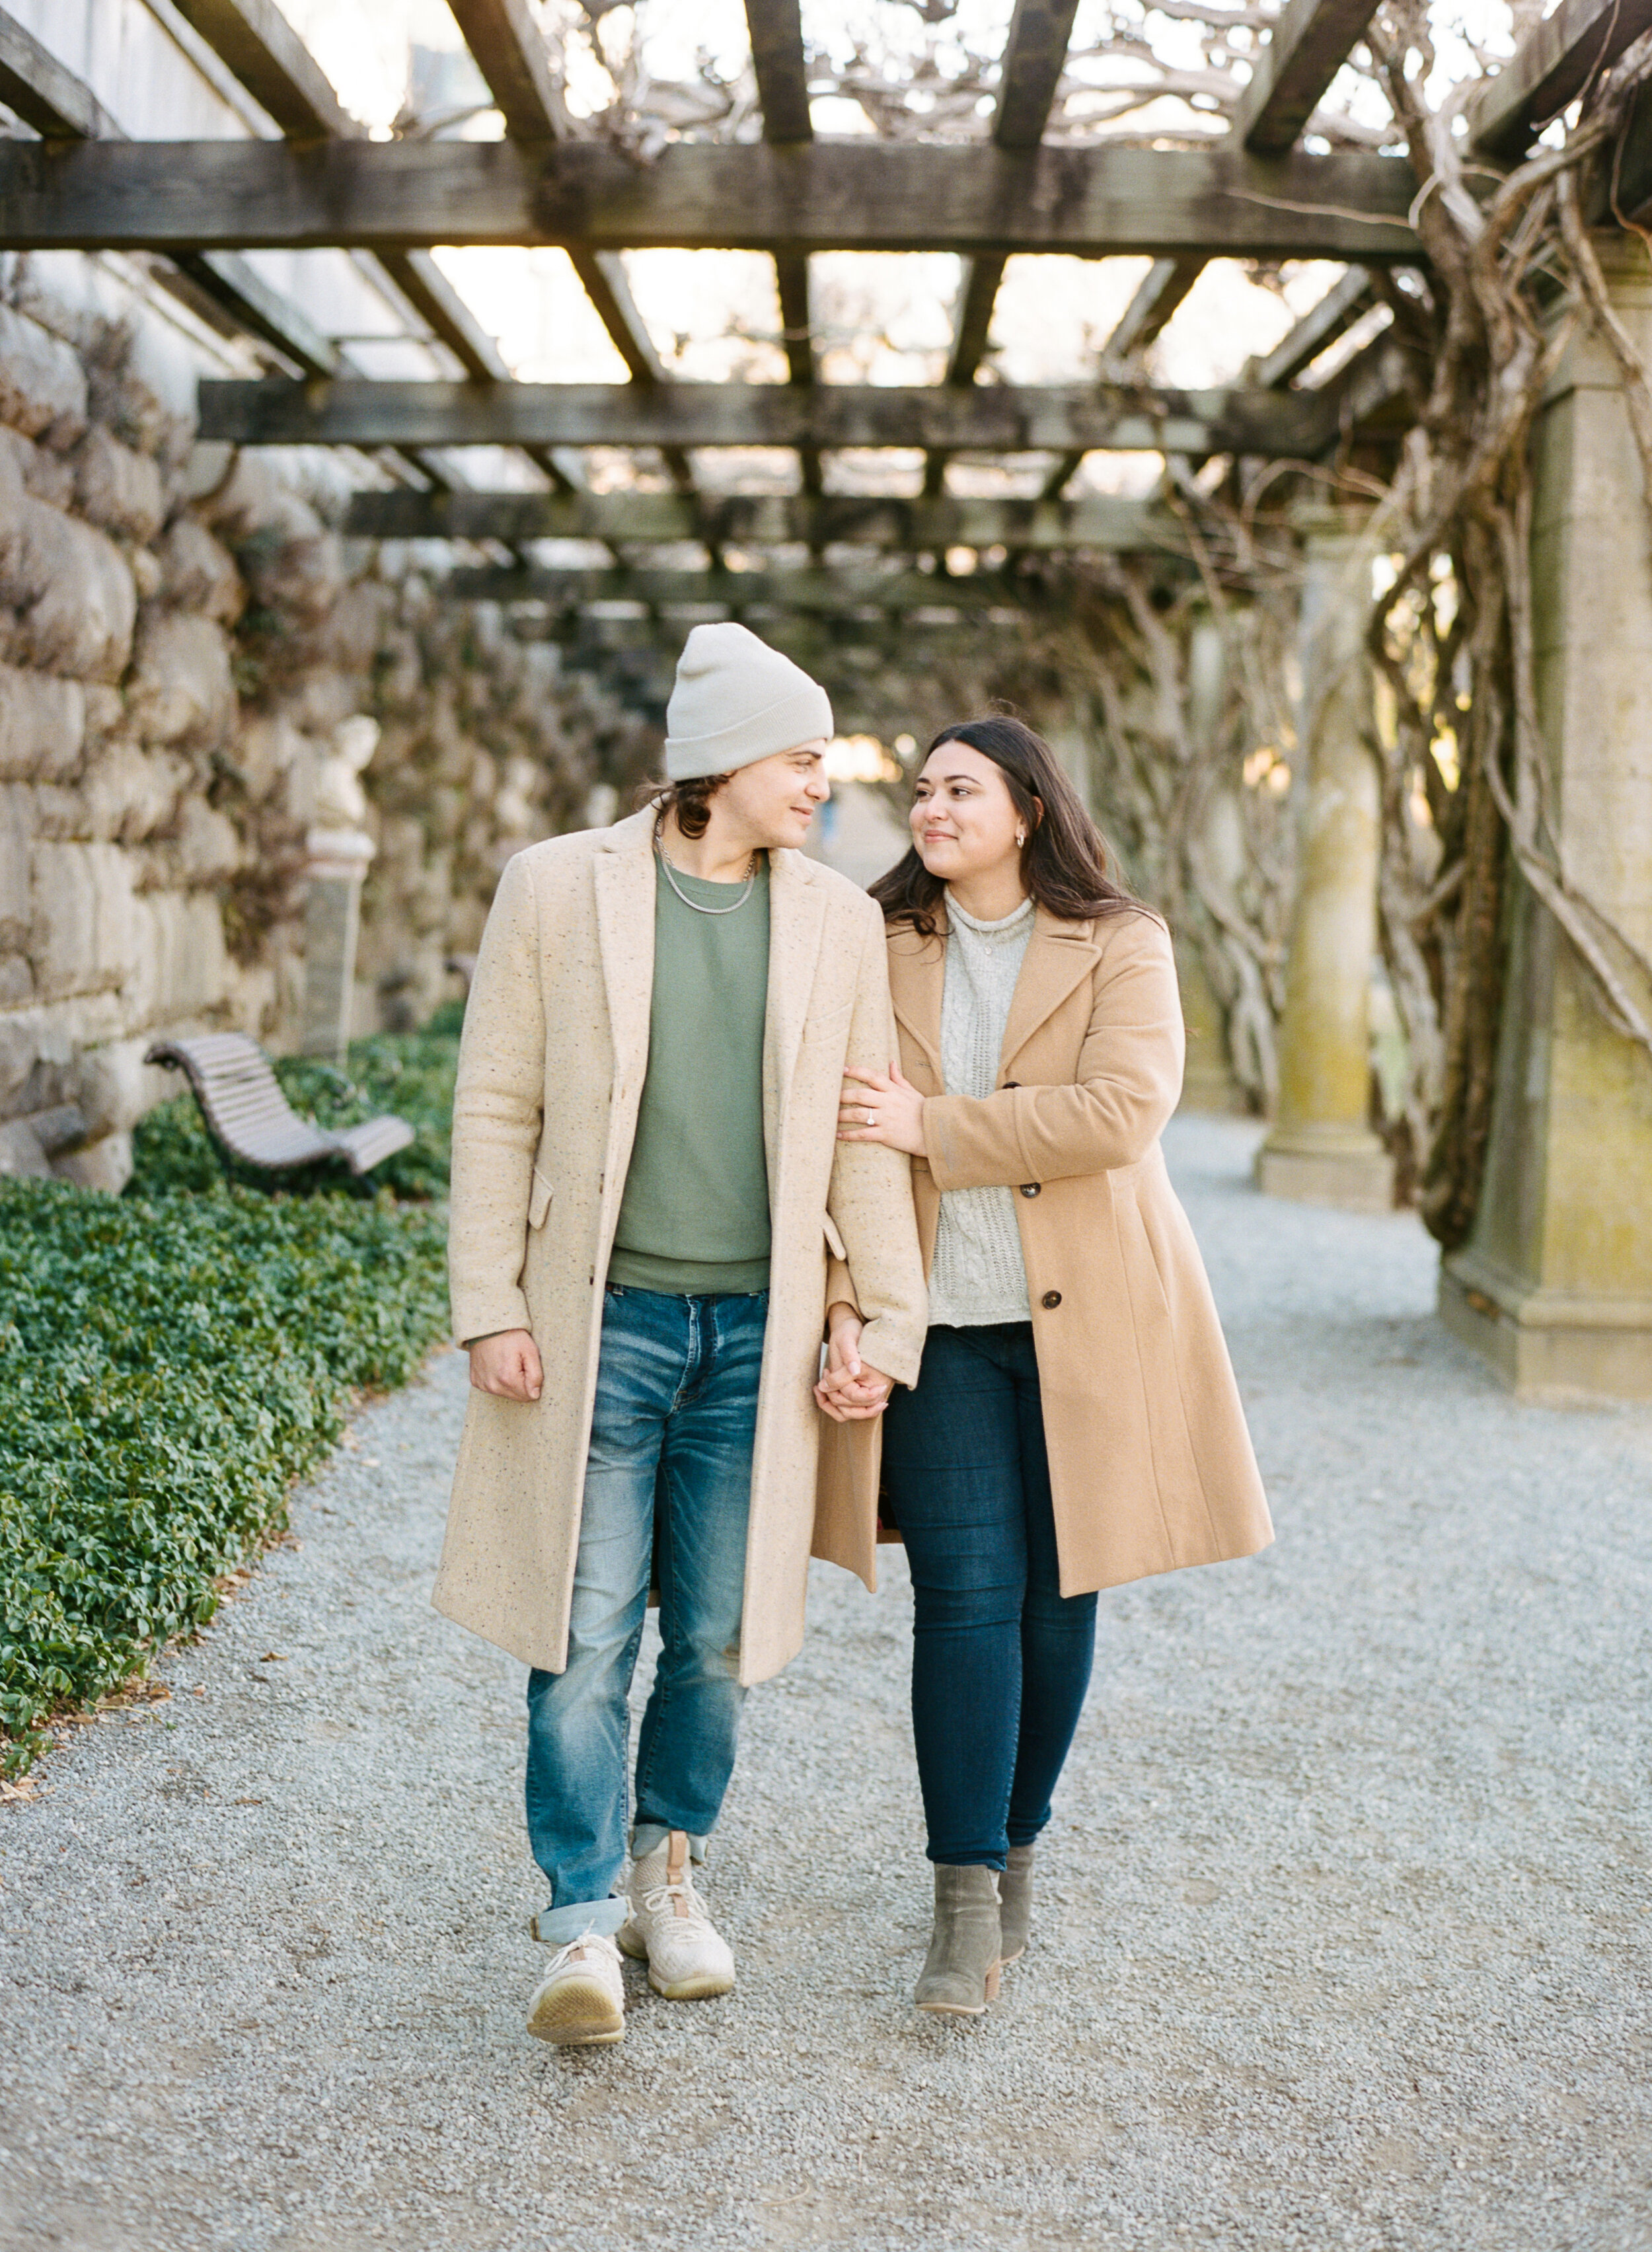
(695, 1924)
(566, 1953)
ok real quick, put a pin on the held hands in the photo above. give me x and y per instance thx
(851, 1390)
(507, 1365)
(882, 1109)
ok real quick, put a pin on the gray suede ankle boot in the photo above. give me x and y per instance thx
(1015, 1902)
(961, 1970)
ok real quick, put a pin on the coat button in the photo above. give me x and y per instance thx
(1051, 1298)
(1030, 1188)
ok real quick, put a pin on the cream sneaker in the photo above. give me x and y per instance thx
(668, 1925)
(580, 2000)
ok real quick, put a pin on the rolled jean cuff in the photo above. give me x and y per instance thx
(555, 1927)
(647, 1835)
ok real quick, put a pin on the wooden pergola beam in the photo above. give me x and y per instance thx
(1158, 296)
(1550, 68)
(997, 419)
(1341, 306)
(767, 520)
(1310, 41)
(221, 289)
(508, 50)
(255, 41)
(776, 29)
(1035, 55)
(46, 97)
(1092, 202)
(809, 591)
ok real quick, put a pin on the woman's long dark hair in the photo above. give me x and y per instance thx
(1064, 861)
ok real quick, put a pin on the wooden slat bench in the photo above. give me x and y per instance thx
(246, 1111)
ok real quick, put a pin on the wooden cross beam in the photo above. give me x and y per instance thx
(1341, 306)
(986, 418)
(508, 50)
(768, 520)
(1310, 41)
(1096, 202)
(223, 289)
(1162, 288)
(827, 593)
(776, 28)
(1035, 55)
(255, 41)
(1550, 68)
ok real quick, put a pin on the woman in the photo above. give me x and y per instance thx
(1075, 1423)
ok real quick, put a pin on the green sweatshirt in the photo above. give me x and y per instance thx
(694, 1217)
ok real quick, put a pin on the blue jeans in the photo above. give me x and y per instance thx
(670, 1455)
(1001, 1659)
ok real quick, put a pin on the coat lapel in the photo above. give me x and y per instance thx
(917, 981)
(625, 879)
(1059, 956)
(796, 916)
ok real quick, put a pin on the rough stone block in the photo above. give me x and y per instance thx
(268, 748)
(105, 1164)
(85, 925)
(117, 489)
(129, 793)
(209, 846)
(16, 832)
(42, 725)
(182, 961)
(17, 980)
(198, 572)
(42, 389)
(181, 690)
(21, 1155)
(73, 592)
(114, 1087)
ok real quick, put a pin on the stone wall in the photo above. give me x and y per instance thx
(184, 642)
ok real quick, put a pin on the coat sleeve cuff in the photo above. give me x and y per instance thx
(894, 1347)
(480, 1317)
(840, 1284)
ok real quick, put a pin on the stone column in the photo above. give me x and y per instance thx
(1555, 1285)
(339, 851)
(1322, 1149)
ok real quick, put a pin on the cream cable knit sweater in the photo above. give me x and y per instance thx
(978, 1276)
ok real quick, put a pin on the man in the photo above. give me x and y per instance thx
(648, 1191)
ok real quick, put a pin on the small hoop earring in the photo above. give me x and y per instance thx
(1021, 837)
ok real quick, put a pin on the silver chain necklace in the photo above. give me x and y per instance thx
(670, 878)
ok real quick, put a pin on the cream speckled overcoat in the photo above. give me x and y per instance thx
(1151, 1463)
(551, 1071)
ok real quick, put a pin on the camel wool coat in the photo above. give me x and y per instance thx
(551, 1072)
(1150, 1463)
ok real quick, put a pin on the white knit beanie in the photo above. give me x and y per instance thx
(738, 700)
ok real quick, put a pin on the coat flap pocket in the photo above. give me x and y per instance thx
(538, 1200)
(834, 1240)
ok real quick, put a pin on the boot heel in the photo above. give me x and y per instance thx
(992, 1981)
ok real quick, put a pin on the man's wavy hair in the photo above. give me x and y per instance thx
(1066, 864)
(690, 800)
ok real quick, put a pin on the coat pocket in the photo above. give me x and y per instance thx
(538, 1200)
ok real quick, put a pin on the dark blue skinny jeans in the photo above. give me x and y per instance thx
(1001, 1659)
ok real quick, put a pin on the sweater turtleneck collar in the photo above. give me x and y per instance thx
(1006, 926)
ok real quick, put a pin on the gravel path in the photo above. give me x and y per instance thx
(1342, 1940)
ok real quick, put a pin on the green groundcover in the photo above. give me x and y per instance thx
(172, 1359)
